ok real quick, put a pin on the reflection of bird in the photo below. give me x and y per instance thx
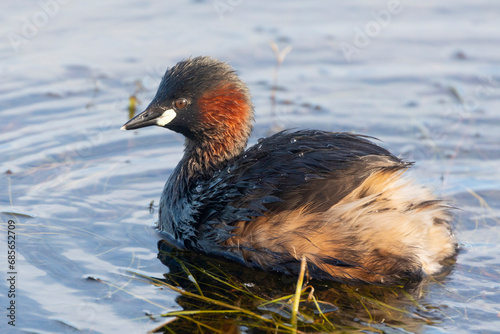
(335, 198)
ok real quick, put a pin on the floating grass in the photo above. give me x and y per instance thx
(298, 293)
(217, 296)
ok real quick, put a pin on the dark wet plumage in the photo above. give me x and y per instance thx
(336, 198)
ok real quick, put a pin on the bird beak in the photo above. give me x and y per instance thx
(153, 115)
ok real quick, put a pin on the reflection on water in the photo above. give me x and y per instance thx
(79, 190)
(208, 283)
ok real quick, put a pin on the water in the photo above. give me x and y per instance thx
(424, 79)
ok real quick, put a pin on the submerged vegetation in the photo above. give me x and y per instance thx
(222, 297)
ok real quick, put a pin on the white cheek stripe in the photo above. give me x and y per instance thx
(167, 116)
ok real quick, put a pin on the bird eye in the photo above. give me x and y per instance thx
(181, 103)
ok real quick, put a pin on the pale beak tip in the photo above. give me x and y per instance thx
(123, 128)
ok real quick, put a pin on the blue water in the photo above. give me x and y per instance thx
(423, 77)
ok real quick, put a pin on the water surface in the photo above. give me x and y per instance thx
(426, 82)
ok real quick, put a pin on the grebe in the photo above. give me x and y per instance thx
(336, 198)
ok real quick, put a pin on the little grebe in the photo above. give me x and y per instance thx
(335, 198)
